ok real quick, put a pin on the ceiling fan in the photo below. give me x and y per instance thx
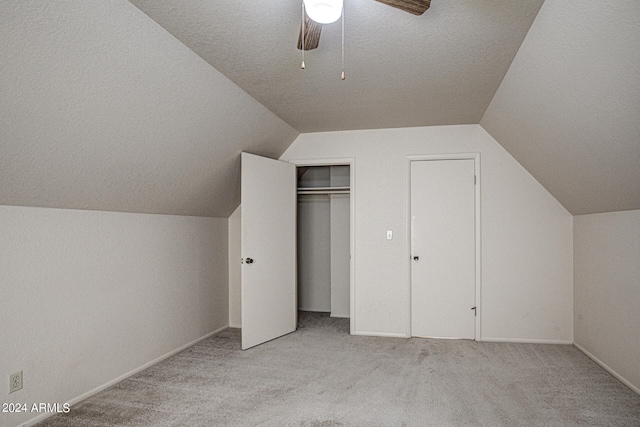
(312, 28)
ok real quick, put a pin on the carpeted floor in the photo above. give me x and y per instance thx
(322, 376)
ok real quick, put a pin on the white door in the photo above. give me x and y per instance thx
(443, 248)
(268, 228)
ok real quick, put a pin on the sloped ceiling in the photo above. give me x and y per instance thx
(102, 109)
(441, 68)
(569, 108)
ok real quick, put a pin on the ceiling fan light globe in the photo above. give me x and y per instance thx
(323, 11)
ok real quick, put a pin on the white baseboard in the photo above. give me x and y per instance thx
(607, 368)
(381, 334)
(108, 384)
(505, 340)
(341, 316)
(525, 341)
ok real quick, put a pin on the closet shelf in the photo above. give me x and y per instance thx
(324, 190)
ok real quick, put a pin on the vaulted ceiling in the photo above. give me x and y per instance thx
(440, 68)
(569, 109)
(103, 109)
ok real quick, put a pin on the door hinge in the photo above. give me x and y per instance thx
(475, 312)
(475, 179)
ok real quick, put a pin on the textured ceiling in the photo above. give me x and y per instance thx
(102, 109)
(569, 108)
(402, 70)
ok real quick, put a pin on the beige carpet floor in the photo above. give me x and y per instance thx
(322, 376)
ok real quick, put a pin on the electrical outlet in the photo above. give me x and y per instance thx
(15, 382)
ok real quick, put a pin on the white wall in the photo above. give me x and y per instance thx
(340, 261)
(314, 252)
(88, 296)
(527, 258)
(607, 291)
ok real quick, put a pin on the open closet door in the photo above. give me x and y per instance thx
(268, 228)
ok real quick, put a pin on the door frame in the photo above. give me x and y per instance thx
(478, 234)
(351, 162)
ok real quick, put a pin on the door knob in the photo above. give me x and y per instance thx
(416, 258)
(249, 260)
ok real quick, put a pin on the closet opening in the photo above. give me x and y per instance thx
(323, 242)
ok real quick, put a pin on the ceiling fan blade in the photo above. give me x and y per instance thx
(416, 7)
(311, 34)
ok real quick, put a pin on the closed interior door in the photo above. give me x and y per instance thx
(443, 248)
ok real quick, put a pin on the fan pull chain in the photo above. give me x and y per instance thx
(302, 66)
(342, 77)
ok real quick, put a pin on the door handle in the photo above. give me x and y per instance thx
(416, 258)
(249, 260)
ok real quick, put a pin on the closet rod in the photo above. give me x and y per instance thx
(347, 188)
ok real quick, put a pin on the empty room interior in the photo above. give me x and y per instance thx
(415, 199)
